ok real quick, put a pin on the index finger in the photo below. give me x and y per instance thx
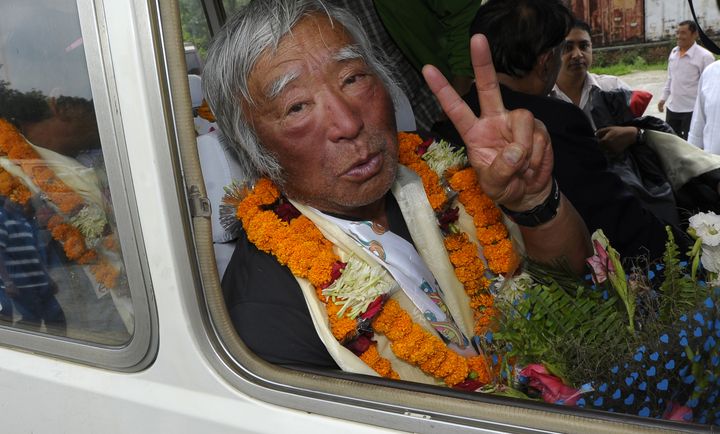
(488, 89)
(454, 107)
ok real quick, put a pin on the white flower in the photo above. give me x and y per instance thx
(91, 222)
(707, 228)
(441, 156)
(358, 286)
(711, 258)
(510, 290)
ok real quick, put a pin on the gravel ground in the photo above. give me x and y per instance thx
(651, 81)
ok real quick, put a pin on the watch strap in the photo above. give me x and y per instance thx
(540, 214)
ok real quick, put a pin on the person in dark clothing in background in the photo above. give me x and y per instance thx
(526, 39)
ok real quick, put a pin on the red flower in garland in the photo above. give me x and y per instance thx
(448, 217)
(373, 308)
(286, 211)
(422, 148)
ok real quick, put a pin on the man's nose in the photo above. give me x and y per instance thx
(344, 116)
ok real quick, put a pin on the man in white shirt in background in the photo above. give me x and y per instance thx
(576, 85)
(705, 126)
(685, 65)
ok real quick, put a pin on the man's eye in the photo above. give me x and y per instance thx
(296, 108)
(354, 78)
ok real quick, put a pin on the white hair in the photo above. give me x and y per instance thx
(233, 54)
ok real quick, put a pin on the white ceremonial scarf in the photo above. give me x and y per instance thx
(680, 160)
(402, 261)
(420, 218)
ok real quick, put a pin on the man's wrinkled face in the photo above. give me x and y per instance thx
(685, 37)
(326, 116)
(577, 54)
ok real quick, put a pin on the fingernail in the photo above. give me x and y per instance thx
(513, 154)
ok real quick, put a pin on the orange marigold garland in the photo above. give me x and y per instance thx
(302, 247)
(204, 111)
(408, 144)
(469, 269)
(491, 232)
(314, 260)
(14, 146)
(17, 149)
(415, 345)
(487, 218)
(13, 189)
(374, 360)
(409, 341)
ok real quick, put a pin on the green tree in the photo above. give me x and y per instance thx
(231, 6)
(195, 27)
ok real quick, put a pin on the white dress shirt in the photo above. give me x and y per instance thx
(705, 127)
(602, 82)
(683, 75)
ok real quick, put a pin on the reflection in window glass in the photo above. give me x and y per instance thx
(196, 34)
(61, 269)
(231, 6)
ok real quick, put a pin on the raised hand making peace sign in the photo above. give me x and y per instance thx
(513, 157)
(510, 151)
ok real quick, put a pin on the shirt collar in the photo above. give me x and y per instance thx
(690, 51)
(589, 83)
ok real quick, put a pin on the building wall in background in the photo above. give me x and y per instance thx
(663, 16)
(619, 22)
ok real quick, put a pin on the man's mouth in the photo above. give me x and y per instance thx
(366, 168)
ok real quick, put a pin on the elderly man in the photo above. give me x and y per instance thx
(526, 38)
(298, 90)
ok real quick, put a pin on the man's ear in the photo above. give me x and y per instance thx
(542, 66)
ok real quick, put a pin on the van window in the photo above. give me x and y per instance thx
(61, 266)
(232, 6)
(617, 389)
(196, 34)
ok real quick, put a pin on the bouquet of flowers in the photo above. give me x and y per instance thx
(639, 339)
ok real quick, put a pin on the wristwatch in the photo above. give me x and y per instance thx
(540, 214)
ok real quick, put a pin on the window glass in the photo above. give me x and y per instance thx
(61, 267)
(231, 6)
(641, 354)
(196, 34)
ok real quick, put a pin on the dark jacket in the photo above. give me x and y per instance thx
(581, 169)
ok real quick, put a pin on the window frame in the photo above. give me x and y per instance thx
(139, 351)
(378, 402)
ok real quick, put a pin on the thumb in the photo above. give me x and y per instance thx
(497, 177)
